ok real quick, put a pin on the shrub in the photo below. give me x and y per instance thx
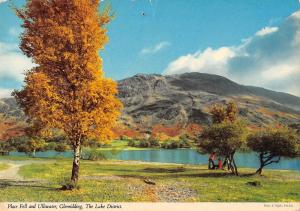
(62, 147)
(123, 137)
(93, 154)
(184, 143)
(51, 146)
(29, 145)
(93, 143)
(174, 144)
(144, 143)
(131, 143)
(6, 146)
(170, 144)
(153, 142)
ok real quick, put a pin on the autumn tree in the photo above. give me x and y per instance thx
(273, 143)
(224, 139)
(32, 145)
(28, 145)
(67, 89)
(221, 113)
(6, 146)
(225, 136)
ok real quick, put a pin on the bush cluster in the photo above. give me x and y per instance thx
(32, 145)
(152, 143)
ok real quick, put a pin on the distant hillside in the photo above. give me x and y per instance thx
(9, 108)
(186, 98)
(170, 103)
(11, 119)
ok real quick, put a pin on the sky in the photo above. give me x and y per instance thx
(252, 42)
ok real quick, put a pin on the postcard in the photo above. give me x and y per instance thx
(149, 105)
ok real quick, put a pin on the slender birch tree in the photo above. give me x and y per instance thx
(67, 89)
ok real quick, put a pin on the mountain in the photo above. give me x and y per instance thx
(11, 124)
(169, 103)
(155, 99)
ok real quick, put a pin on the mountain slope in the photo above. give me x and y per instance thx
(186, 98)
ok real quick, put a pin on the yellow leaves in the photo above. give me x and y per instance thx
(224, 113)
(67, 90)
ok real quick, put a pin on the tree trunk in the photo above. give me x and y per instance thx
(259, 171)
(75, 169)
(235, 167)
(261, 160)
(230, 166)
(33, 153)
(226, 163)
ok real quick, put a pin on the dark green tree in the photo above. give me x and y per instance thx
(272, 144)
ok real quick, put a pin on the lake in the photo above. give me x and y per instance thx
(181, 156)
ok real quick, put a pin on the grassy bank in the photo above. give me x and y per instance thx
(119, 145)
(123, 181)
(3, 166)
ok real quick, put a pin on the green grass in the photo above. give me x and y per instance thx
(121, 145)
(3, 166)
(122, 181)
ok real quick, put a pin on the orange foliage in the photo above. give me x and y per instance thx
(163, 137)
(171, 131)
(67, 89)
(221, 113)
(193, 129)
(266, 111)
(120, 131)
(9, 129)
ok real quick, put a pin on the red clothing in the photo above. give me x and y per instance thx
(220, 164)
(212, 157)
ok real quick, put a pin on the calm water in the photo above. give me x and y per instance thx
(183, 156)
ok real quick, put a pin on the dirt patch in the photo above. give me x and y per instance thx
(174, 193)
(12, 173)
(106, 177)
(162, 192)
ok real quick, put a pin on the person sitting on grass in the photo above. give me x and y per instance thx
(220, 163)
(211, 164)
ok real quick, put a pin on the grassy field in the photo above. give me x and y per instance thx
(3, 166)
(123, 181)
(120, 145)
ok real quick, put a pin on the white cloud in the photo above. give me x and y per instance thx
(158, 47)
(2, 1)
(209, 61)
(269, 61)
(5, 93)
(266, 30)
(12, 65)
(280, 71)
